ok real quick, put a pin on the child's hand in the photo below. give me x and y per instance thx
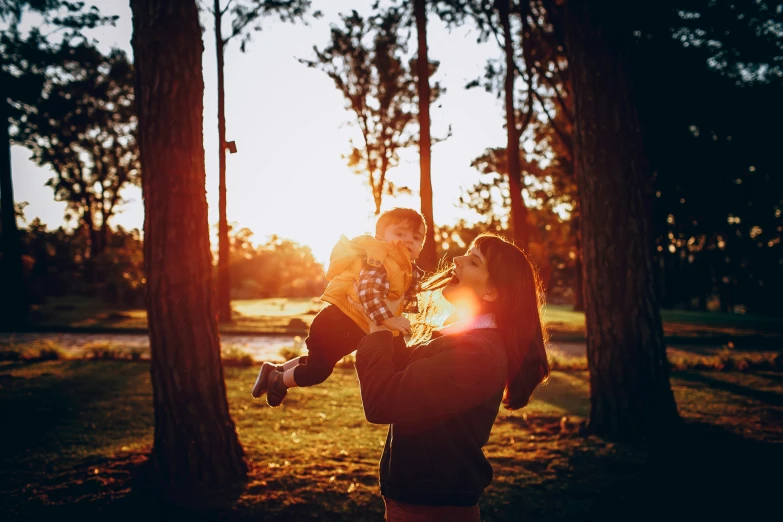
(399, 323)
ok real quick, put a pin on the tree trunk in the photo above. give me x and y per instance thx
(224, 247)
(630, 393)
(579, 279)
(195, 442)
(518, 218)
(428, 259)
(14, 304)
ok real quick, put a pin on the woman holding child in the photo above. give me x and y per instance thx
(442, 406)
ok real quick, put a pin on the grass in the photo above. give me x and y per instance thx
(293, 316)
(277, 315)
(89, 424)
(676, 323)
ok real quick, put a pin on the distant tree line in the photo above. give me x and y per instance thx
(58, 263)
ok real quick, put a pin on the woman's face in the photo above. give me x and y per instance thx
(469, 285)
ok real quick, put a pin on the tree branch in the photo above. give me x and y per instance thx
(228, 5)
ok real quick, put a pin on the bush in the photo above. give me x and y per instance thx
(233, 356)
(104, 352)
(49, 354)
(10, 353)
(292, 352)
(32, 352)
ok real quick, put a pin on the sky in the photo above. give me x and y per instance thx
(292, 130)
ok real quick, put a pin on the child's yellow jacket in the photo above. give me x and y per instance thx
(346, 262)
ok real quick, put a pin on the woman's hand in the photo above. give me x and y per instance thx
(399, 323)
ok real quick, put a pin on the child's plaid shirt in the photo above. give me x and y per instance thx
(374, 287)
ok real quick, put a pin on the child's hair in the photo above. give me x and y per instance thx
(517, 312)
(408, 216)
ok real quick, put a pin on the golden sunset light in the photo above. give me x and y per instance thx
(481, 260)
(288, 177)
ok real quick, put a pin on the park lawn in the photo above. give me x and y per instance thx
(276, 315)
(294, 315)
(81, 428)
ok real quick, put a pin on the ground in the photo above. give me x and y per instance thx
(78, 431)
(81, 431)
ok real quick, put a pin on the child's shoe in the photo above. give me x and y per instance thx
(259, 388)
(276, 389)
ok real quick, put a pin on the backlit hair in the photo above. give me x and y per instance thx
(412, 219)
(517, 312)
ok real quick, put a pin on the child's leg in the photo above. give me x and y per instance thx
(260, 386)
(293, 363)
(333, 335)
(316, 371)
(312, 370)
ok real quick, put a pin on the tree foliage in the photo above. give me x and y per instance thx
(277, 268)
(366, 60)
(26, 62)
(83, 126)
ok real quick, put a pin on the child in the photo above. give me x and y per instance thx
(384, 267)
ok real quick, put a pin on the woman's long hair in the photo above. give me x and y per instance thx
(517, 312)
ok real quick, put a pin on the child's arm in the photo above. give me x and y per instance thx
(373, 288)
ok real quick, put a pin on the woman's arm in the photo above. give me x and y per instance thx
(450, 381)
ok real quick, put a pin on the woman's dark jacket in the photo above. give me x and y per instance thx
(441, 409)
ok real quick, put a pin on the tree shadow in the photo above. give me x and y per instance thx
(772, 376)
(53, 402)
(769, 397)
(139, 497)
(560, 392)
(702, 473)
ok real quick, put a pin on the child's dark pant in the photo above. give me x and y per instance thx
(333, 335)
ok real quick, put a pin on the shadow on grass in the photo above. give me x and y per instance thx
(132, 498)
(58, 406)
(771, 398)
(704, 473)
(546, 468)
(772, 376)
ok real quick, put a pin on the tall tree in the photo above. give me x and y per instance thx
(14, 305)
(195, 442)
(244, 15)
(26, 61)
(84, 129)
(495, 18)
(519, 225)
(630, 392)
(428, 257)
(379, 87)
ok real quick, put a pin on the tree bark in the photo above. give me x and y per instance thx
(518, 218)
(14, 303)
(224, 247)
(630, 393)
(195, 445)
(428, 259)
(579, 279)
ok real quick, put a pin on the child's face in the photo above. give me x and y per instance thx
(413, 240)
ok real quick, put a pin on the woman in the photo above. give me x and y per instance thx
(441, 408)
